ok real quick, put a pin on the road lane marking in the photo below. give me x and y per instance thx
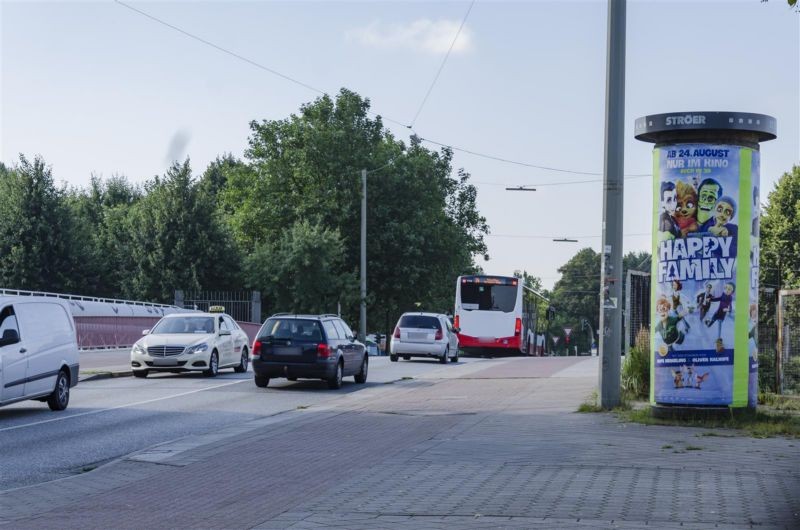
(61, 418)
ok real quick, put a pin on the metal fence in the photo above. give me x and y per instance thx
(788, 344)
(637, 306)
(767, 340)
(243, 306)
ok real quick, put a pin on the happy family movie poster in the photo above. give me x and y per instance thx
(705, 276)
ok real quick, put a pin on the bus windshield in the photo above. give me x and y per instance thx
(488, 297)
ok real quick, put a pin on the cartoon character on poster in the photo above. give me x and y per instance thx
(695, 271)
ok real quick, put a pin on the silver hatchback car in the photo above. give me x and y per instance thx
(424, 335)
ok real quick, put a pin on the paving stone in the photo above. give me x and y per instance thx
(510, 454)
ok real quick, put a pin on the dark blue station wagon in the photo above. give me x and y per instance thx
(308, 347)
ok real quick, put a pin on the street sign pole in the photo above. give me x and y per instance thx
(611, 268)
(362, 328)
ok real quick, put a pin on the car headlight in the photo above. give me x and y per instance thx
(138, 350)
(197, 348)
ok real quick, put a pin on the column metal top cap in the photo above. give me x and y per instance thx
(655, 127)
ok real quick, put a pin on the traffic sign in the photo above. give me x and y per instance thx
(568, 331)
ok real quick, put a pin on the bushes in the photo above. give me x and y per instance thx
(636, 367)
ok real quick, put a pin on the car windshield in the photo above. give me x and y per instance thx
(291, 329)
(187, 324)
(419, 322)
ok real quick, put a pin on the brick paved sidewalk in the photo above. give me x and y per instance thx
(475, 452)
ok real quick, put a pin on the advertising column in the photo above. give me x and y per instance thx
(704, 277)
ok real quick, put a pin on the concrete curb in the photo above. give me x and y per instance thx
(82, 378)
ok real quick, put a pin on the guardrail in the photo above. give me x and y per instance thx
(113, 323)
(22, 292)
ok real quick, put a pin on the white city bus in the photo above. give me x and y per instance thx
(496, 314)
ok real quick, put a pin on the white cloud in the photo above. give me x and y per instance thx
(420, 35)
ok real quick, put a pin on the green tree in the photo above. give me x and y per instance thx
(575, 296)
(216, 175)
(779, 259)
(529, 280)
(423, 225)
(302, 271)
(177, 239)
(37, 249)
(100, 214)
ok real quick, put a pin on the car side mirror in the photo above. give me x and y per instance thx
(145, 332)
(456, 330)
(224, 332)
(10, 336)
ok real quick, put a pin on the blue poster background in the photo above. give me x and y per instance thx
(695, 273)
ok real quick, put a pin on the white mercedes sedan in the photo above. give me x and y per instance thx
(191, 342)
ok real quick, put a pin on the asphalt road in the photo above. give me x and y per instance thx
(109, 418)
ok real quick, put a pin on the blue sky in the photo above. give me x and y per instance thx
(96, 88)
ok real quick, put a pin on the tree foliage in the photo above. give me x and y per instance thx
(575, 295)
(423, 226)
(37, 234)
(177, 239)
(779, 259)
(101, 217)
(303, 271)
(285, 220)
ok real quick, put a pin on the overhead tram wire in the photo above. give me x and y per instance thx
(524, 164)
(441, 66)
(564, 183)
(523, 236)
(383, 117)
(241, 57)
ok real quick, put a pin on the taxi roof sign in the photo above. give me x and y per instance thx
(216, 309)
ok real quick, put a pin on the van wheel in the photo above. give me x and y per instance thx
(407, 357)
(393, 358)
(361, 377)
(261, 382)
(59, 399)
(140, 373)
(213, 365)
(242, 366)
(335, 382)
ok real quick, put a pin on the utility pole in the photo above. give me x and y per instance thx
(362, 329)
(611, 269)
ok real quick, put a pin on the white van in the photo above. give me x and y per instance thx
(38, 350)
